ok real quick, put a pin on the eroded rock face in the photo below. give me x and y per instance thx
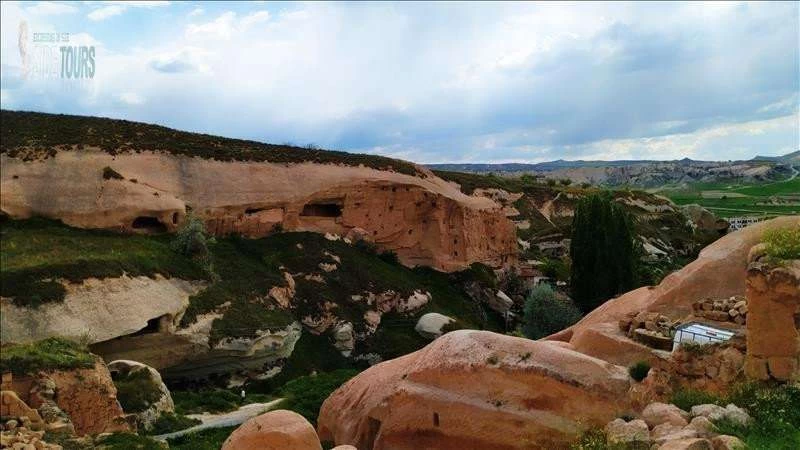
(773, 341)
(475, 389)
(275, 430)
(148, 417)
(425, 220)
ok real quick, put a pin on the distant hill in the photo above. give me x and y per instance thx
(643, 173)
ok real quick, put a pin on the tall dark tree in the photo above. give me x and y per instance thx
(603, 251)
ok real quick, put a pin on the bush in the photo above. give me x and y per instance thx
(212, 400)
(783, 243)
(128, 441)
(136, 390)
(639, 370)
(169, 422)
(192, 241)
(49, 354)
(776, 416)
(545, 314)
(208, 439)
(686, 398)
(305, 395)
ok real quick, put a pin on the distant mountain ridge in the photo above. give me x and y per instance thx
(644, 173)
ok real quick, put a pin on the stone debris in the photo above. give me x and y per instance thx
(733, 309)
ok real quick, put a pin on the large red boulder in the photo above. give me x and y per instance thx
(275, 430)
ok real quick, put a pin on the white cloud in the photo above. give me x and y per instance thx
(254, 19)
(115, 8)
(221, 27)
(50, 8)
(131, 98)
(196, 12)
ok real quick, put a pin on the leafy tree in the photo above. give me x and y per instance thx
(545, 314)
(192, 241)
(603, 251)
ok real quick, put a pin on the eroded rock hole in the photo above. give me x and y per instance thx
(149, 224)
(436, 419)
(322, 210)
(250, 211)
(374, 429)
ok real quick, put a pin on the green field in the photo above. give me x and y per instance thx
(734, 199)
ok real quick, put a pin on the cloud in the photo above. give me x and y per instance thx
(222, 27)
(115, 8)
(50, 8)
(131, 98)
(254, 19)
(196, 12)
(189, 59)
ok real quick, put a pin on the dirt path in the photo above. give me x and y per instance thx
(228, 419)
(547, 208)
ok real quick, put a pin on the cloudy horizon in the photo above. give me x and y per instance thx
(433, 83)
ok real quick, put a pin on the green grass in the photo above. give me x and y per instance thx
(31, 135)
(210, 439)
(686, 398)
(213, 400)
(304, 395)
(129, 441)
(776, 416)
(743, 199)
(170, 422)
(35, 252)
(783, 244)
(49, 354)
(136, 391)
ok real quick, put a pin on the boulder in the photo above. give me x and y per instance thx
(344, 338)
(472, 389)
(687, 444)
(620, 432)
(275, 430)
(659, 413)
(703, 426)
(500, 302)
(12, 406)
(725, 442)
(148, 417)
(430, 325)
(344, 447)
(715, 412)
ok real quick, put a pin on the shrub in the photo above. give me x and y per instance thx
(128, 441)
(192, 241)
(639, 370)
(208, 439)
(776, 416)
(49, 354)
(212, 400)
(783, 243)
(136, 390)
(545, 314)
(111, 174)
(169, 422)
(305, 395)
(686, 398)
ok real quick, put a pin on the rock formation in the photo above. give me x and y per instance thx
(275, 430)
(773, 341)
(148, 417)
(430, 325)
(474, 389)
(423, 219)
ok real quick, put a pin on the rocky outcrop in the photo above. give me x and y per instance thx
(423, 219)
(773, 341)
(474, 389)
(430, 325)
(703, 219)
(275, 430)
(147, 417)
(98, 310)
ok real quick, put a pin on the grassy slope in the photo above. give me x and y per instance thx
(34, 251)
(31, 135)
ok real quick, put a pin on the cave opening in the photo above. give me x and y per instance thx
(322, 210)
(154, 325)
(148, 224)
(250, 211)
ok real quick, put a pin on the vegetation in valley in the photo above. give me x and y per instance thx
(128, 441)
(603, 251)
(730, 199)
(32, 135)
(169, 422)
(546, 314)
(49, 354)
(209, 439)
(304, 395)
(212, 401)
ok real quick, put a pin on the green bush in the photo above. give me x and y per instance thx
(136, 390)
(776, 416)
(305, 395)
(639, 370)
(169, 422)
(545, 314)
(49, 354)
(129, 441)
(686, 398)
(212, 401)
(783, 243)
(209, 439)
(191, 240)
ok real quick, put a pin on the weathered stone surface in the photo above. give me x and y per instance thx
(687, 444)
(423, 219)
(148, 417)
(12, 406)
(703, 426)
(620, 432)
(726, 442)
(275, 430)
(659, 413)
(344, 338)
(471, 389)
(430, 325)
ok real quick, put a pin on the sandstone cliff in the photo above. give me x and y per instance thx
(424, 219)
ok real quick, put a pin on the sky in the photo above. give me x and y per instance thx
(428, 82)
